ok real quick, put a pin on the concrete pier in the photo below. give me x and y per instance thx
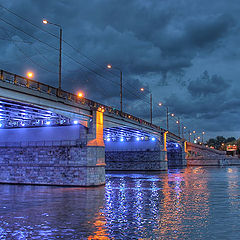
(136, 155)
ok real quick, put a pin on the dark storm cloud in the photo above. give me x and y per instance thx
(205, 85)
(141, 37)
(208, 99)
(202, 33)
(205, 96)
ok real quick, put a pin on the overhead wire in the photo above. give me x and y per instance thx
(63, 53)
(19, 29)
(75, 49)
(19, 49)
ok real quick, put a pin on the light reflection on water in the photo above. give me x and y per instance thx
(190, 203)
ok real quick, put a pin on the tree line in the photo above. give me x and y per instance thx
(221, 142)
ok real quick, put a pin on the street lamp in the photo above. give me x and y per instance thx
(190, 136)
(194, 134)
(150, 103)
(160, 105)
(202, 136)
(30, 74)
(109, 66)
(80, 94)
(178, 122)
(183, 127)
(44, 21)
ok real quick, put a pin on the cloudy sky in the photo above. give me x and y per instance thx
(187, 53)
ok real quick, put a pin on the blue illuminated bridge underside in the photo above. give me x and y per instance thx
(18, 115)
(115, 133)
(15, 114)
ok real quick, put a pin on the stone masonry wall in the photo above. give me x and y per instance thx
(175, 159)
(53, 165)
(135, 160)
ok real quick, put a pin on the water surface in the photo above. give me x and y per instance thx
(190, 203)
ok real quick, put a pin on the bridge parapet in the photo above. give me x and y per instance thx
(198, 155)
(191, 147)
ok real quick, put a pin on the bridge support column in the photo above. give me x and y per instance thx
(96, 150)
(136, 156)
(164, 158)
(184, 153)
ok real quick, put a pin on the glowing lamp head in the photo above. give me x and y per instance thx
(109, 66)
(160, 104)
(177, 122)
(184, 127)
(48, 123)
(80, 94)
(75, 121)
(23, 124)
(121, 139)
(142, 89)
(172, 115)
(203, 132)
(30, 74)
(153, 138)
(44, 21)
(138, 138)
(194, 131)
(108, 139)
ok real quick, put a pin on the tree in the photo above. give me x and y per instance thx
(221, 142)
(217, 142)
(230, 139)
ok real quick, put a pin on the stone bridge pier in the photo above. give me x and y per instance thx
(136, 154)
(176, 154)
(62, 155)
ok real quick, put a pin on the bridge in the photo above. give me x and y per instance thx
(56, 138)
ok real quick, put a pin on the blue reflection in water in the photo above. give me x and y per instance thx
(191, 203)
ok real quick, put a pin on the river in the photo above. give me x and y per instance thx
(189, 203)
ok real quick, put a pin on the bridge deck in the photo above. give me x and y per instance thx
(18, 88)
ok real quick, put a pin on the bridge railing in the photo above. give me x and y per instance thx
(41, 87)
(49, 143)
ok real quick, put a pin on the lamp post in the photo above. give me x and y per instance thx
(183, 127)
(202, 136)
(60, 55)
(194, 135)
(151, 107)
(189, 136)
(109, 66)
(178, 122)
(150, 103)
(160, 104)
